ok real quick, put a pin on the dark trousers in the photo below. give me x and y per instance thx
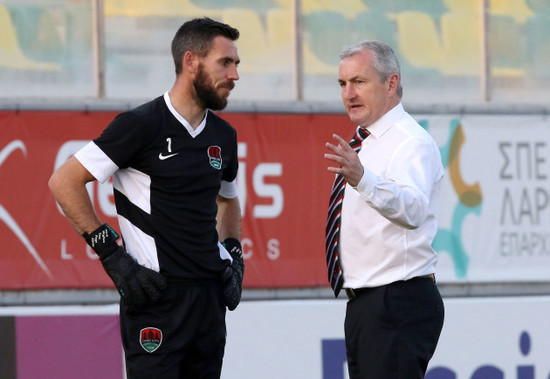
(392, 331)
(191, 319)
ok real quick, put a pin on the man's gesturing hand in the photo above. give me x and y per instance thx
(233, 275)
(138, 285)
(350, 166)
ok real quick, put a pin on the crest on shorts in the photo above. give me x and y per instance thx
(215, 157)
(150, 339)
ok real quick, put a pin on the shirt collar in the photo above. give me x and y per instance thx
(381, 126)
(183, 121)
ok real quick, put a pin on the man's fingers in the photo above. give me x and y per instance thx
(332, 147)
(342, 148)
(342, 143)
(341, 154)
(335, 158)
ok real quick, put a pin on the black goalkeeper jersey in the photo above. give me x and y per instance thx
(166, 178)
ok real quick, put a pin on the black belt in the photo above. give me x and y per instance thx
(352, 293)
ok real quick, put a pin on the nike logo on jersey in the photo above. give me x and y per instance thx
(163, 157)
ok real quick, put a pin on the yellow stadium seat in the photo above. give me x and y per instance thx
(158, 8)
(253, 43)
(517, 9)
(280, 37)
(284, 3)
(126, 8)
(460, 32)
(11, 55)
(461, 36)
(418, 40)
(469, 6)
(348, 8)
(280, 28)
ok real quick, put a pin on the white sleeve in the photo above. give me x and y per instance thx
(403, 194)
(96, 162)
(228, 189)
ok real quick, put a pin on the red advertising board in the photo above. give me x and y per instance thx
(283, 188)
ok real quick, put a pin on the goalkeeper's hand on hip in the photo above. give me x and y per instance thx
(138, 285)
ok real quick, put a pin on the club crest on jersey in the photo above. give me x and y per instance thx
(150, 339)
(215, 157)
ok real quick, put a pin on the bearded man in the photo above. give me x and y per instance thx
(174, 164)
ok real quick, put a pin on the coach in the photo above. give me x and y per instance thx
(382, 222)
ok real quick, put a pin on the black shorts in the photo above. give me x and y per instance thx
(181, 336)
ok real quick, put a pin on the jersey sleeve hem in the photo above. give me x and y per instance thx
(228, 189)
(96, 162)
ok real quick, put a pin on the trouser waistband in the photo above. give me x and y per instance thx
(352, 293)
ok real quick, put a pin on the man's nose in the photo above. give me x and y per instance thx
(233, 74)
(348, 92)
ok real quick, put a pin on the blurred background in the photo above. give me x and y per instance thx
(486, 51)
(475, 74)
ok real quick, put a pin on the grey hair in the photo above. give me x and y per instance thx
(385, 61)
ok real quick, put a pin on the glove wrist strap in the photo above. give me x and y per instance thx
(102, 240)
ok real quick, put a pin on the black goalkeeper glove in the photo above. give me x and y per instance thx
(138, 285)
(233, 275)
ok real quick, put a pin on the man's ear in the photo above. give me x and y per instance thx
(190, 62)
(393, 83)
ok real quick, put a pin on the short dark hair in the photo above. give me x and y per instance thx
(196, 36)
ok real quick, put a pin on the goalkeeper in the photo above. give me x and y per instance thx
(174, 165)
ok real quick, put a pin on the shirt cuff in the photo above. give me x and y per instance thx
(366, 185)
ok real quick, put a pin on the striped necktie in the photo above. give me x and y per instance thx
(332, 231)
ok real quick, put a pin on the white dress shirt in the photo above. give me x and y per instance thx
(388, 220)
